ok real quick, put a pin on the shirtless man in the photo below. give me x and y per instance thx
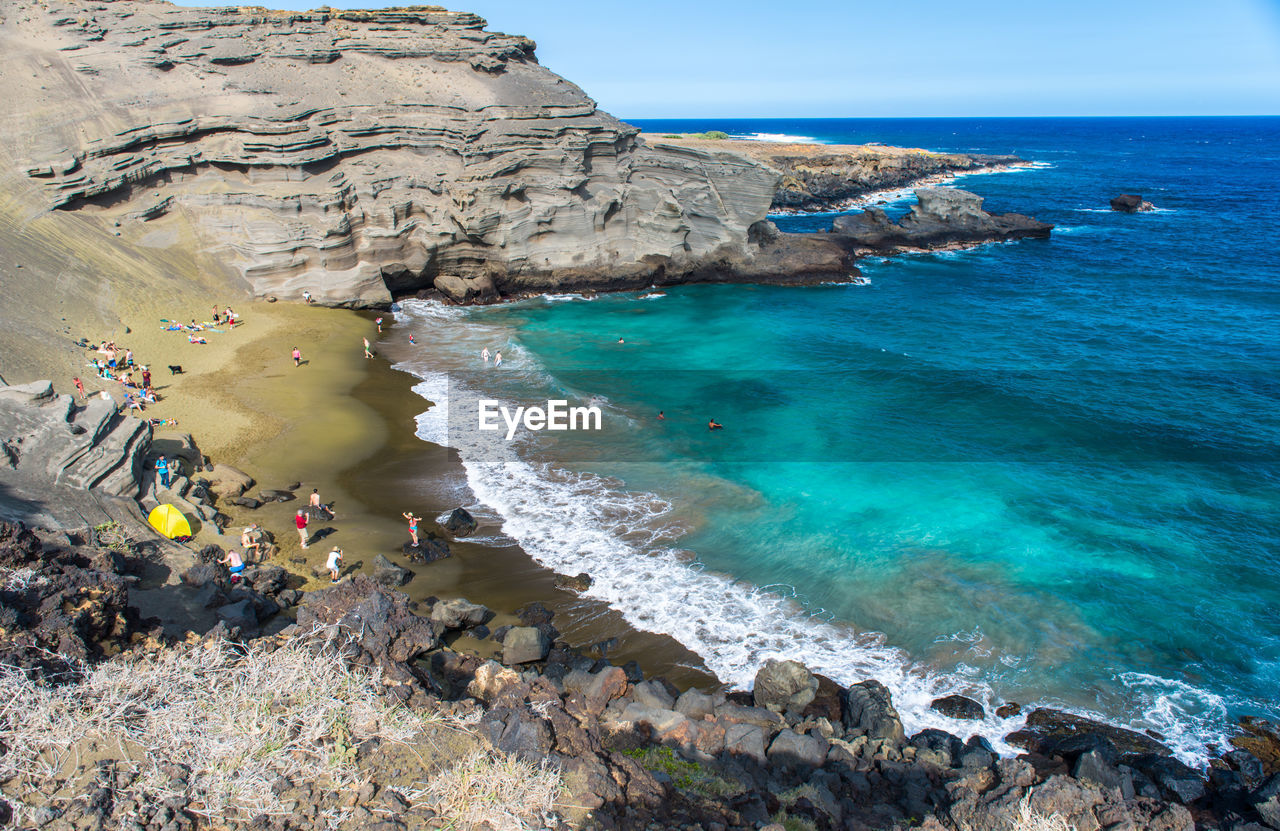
(713, 425)
(234, 563)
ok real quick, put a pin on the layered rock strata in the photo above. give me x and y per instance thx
(357, 154)
(68, 464)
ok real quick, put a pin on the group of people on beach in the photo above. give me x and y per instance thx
(116, 364)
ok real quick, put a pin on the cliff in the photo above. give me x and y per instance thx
(354, 154)
(834, 177)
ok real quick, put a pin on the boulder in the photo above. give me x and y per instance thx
(869, 708)
(1009, 710)
(1094, 767)
(524, 644)
(457, 613)
(784, 686)
(176, 445)
(745, 740)
(466, 290)
(388, 573)
(828, 701)
(653, 695)
(958, 706)
(276, 496)
(1261, 739)
(578, 583)
(239, 613)
(792, 748)
(1130, 203)
(245, 502)
(696, 705)
(428, 550)
(460, 523)
(937, 747)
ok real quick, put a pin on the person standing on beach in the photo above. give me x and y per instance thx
(301, 521)
(162, 471)
(297, 356)
(413, 525)
(79, 387)
(146, 377)
(368, 353)
(335, 557)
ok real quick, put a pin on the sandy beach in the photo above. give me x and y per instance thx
(344, 425)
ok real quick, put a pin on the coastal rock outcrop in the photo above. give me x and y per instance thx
(1131, 203)
(941, 218)
(68, 464)
(358, 154)
(832, 177)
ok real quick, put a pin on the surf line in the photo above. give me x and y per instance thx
(556, 415)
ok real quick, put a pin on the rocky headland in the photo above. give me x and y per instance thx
(942, 218)
(837, 177)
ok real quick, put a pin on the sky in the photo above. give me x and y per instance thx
(905, 58)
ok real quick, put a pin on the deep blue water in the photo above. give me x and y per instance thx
(1044, 471)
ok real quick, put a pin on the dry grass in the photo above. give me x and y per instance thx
(1029, 819)
(495, 791)
(238, 718)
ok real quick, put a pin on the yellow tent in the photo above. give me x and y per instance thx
(169, 521)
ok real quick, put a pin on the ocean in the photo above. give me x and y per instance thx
(1043, 471)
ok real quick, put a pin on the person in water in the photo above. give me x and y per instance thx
(484, 353)
(713, 425)
(620, 340)
(413, 525)
(497, 359)
(661, 416)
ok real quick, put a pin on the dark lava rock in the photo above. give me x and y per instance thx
(266, 579)
(1046, 728)
(276, 496)
(958, 706)
(460, 523)
(828, 701)
(578, 583)
(428, 550)
(1009, 710)
(204, 574)
(240, 613)
(245, 502)
(1131, 203)
(73, 608)
(534, 614)
(869, 707)
(377, 620)
(1176, 780)
(940, 218)
(388, 573)
(1261, 738)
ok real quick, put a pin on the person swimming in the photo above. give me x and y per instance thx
(713, 425)
(661, 416)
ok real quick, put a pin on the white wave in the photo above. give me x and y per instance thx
(567, 298)
(778, 138)
(1188, 717)
(653, 295)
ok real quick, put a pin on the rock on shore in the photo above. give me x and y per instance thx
(941, 218)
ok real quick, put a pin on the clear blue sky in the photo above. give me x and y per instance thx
(850, 58)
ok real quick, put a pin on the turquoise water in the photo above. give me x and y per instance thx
(1043, 471)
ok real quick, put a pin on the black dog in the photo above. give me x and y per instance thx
(175, 370)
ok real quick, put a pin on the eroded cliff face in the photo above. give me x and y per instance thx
(354, 154)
